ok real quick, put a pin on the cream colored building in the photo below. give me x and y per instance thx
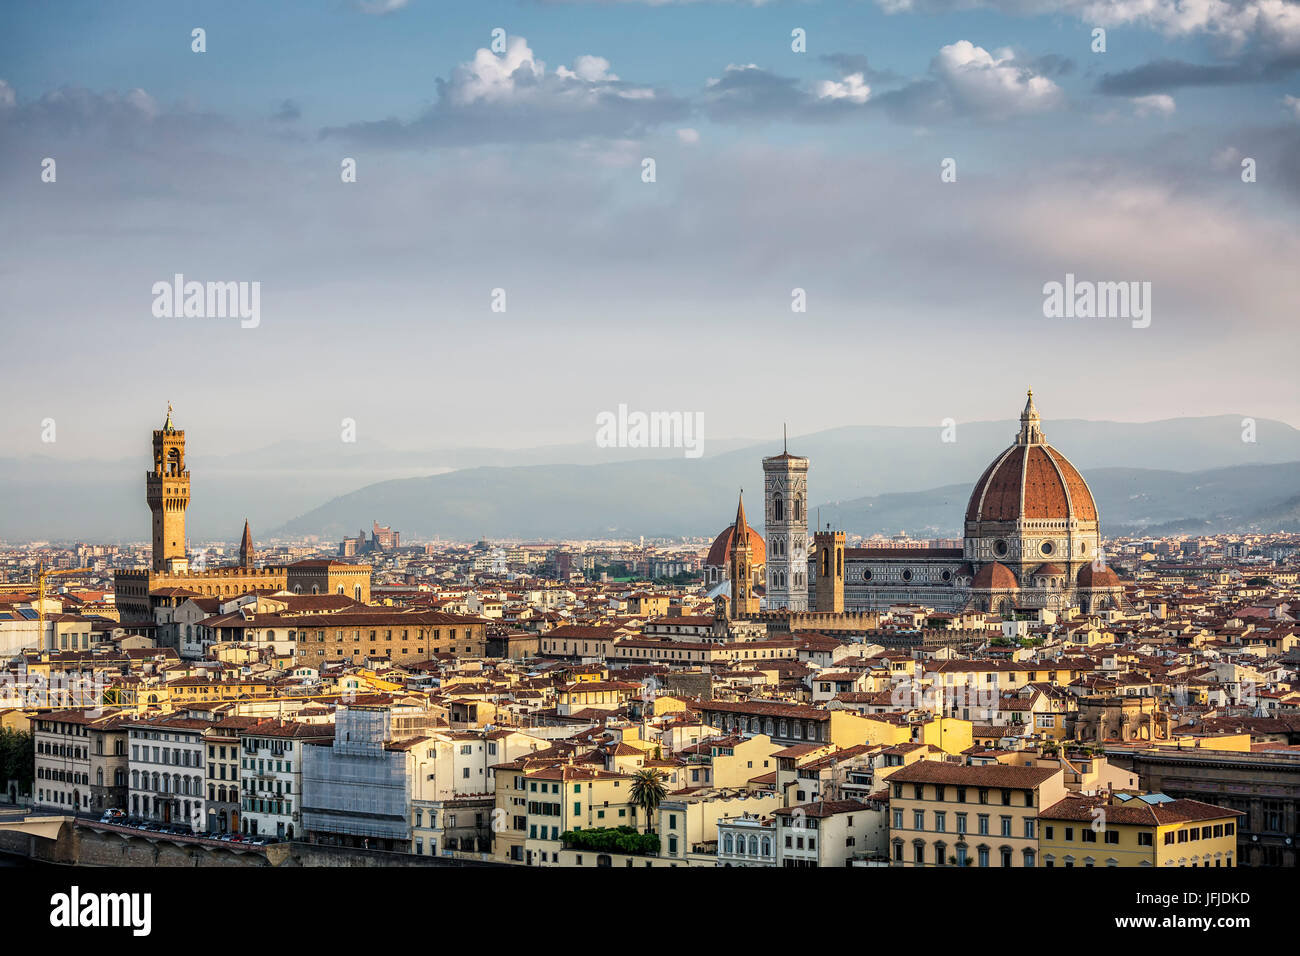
(944, 814)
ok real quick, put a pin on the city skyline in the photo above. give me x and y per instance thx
(455, 439)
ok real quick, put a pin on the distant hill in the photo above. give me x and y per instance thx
(1131, 500)
(582, 490)
(677, 498)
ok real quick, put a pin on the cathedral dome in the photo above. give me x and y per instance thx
(1092, 577)
(1031, 480)
(995, 577)
(720, 552)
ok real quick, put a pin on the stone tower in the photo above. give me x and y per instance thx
(785, 525)
(828, 552)
(167, 489)
(743, 603)
(247, 555)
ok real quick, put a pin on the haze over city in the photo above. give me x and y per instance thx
(444, 441)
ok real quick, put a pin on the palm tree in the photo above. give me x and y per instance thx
(647, 791)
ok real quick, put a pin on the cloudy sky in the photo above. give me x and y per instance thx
(522, 170)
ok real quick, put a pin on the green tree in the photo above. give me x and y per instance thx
(17, 759)
(648, 791)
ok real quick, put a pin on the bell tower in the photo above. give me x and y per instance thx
(247, 554)
(167, 489)
(785, 523)
(743, 603)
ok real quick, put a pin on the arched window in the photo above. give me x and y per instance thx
(753, 846)
(767, 846)
(727, 843)
(839, 564)
(740, 845)
(356, 592)
(798, 508)
(826, 563)
(778, 509)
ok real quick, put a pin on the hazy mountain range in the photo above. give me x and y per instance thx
(1166, 476)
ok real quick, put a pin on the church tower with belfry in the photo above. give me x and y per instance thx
(785, 525)
(247, 553)
(167, 489)
(743, 602)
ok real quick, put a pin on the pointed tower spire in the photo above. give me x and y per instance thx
(741, 568)
(167, 425)
(246, 553)
(785, 438)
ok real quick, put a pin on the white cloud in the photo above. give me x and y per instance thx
(489, 77)
(851, 88)
(591, 69)
(1155, 104)
(689, 136)
(993, 84)
(1226, 158)
(513, 97)
(7, 98)
(380, 7)
(1293, 104)
(1271, 24)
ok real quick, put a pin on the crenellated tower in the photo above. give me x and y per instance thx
(167, 489)
(828, 552)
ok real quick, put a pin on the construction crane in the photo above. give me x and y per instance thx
(41, 575)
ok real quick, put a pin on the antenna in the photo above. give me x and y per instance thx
(785, 439)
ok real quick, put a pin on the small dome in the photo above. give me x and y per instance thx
(995, 577)
(1092, 577)
(1049, 570)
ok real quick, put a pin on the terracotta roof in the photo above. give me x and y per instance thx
(993, 775)
(720, 552)
(1091, 577)
(1031, 481)
(996, 576)
(1136, 811)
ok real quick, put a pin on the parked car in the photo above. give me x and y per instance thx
(113, 816)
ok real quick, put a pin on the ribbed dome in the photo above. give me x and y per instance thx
(1092, 577)
(1031, 480)
(995, 576)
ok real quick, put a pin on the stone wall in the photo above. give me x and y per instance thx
(85, 846)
